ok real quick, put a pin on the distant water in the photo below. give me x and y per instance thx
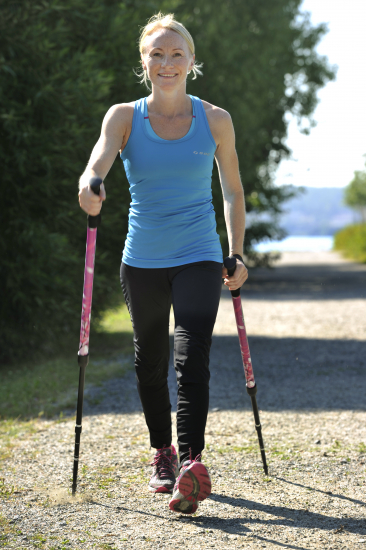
(297, 244)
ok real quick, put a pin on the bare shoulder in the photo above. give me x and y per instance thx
(214, 112)
(219, 121)
(117, 123)
(120, 113)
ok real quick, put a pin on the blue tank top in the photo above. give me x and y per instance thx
(171, 220)
(151, 132)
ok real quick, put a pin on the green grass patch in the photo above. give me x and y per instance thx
(5, 490)
(282, 454)
(45, 386)
(38, 540)
(6, 531)
(236, 449)
(351, 242)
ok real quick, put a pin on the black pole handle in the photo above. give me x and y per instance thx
(95, 221)
(230, 264)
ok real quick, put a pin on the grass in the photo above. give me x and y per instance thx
(351, 241)
(46, 387)
(5, 490)
(235, 449)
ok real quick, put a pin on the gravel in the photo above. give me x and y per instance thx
(305, 321)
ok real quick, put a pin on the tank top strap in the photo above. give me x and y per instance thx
(136, 119)
(201, 117)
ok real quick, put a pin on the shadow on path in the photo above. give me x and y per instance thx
(291, 373)
(310, 374)
(343, 280)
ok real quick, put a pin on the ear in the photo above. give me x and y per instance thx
(142, 62)
(192, 63)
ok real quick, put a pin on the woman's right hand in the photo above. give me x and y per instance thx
(89, 201)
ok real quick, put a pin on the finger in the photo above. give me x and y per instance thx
(103, 194)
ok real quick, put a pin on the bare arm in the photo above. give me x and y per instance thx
(115, 126)
(233, 194)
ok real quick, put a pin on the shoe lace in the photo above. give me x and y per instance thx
(162, 463)
(189, 462)
(197, 459)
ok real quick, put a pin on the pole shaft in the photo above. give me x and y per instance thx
(230, 264)
(248, 371)
(83, 354)
(243, 342)
(91, 240)
(258, 427)
(79, 415)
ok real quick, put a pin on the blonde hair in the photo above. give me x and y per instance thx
(161, 21)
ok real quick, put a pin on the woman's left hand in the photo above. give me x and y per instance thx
(239, 277)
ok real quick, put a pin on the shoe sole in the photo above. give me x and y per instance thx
(194, 486)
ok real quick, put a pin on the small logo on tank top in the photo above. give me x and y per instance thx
(200, 153)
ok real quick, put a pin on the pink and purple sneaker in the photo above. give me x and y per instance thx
(193, 485)
(165, 470)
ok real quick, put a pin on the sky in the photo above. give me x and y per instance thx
(336, 147)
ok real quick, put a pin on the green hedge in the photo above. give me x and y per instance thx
(63, 63)
(351, 241)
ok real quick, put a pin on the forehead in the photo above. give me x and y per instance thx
(165, 38)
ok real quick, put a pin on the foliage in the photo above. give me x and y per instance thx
(259, 64)
(54, 92)
(351, 241)
(355, 194)
(62, 65)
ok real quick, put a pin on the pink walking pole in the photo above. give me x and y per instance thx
(230, 264)
(83, 353)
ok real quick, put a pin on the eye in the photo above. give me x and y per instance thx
(156, 54)
(177, 54)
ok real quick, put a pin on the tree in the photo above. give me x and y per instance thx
(63, 63)
(260, 63)
(355, 194)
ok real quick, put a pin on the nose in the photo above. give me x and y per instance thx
(166, 60)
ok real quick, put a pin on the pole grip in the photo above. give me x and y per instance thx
(230, 264)
(95, 221)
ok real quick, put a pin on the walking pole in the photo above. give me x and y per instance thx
(83, 353)
(230, 264)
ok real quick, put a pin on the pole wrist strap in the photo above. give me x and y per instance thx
(239, 257)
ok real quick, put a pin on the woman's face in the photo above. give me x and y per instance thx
(167, 59)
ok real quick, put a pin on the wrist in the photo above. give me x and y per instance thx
(85, 179)
(238, 255)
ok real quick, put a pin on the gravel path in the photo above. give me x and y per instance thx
(306, 326)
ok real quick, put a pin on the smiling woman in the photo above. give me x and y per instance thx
(158, 22)
(172, 255)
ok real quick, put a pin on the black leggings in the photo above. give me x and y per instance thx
(194, 289)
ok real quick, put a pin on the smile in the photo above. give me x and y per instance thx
(167, 75)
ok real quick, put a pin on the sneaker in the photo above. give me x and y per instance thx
(165, 470)
(193, 485)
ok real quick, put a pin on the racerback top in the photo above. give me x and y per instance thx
(171, 220)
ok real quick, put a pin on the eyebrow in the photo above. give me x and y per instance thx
(174, 49)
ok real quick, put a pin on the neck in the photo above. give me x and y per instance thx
(169, 103)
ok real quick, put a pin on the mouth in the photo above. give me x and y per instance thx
(167, 75)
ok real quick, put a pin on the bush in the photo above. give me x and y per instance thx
(63, 63)
(351, 241)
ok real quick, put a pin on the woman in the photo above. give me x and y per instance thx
(172, 253)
